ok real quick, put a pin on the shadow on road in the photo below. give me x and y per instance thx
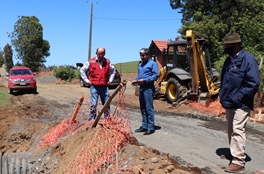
(224, 153)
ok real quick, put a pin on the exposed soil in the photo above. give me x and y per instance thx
(27, 117)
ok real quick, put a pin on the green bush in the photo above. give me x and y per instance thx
(66, 73)
(77, 73)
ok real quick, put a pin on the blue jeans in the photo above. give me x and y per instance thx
(146, 95)
(95, 92)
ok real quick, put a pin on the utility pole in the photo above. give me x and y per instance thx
(90, 34)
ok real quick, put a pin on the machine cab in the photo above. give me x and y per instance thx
(177, 56)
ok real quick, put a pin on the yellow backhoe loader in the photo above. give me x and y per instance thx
(188, 72)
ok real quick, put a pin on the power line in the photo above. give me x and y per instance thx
(137, 19)
(114, 7)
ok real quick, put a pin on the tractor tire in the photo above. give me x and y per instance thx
(174, 90)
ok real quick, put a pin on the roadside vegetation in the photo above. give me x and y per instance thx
(4, 97)
(67, 73)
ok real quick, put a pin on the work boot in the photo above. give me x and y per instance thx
(233, 168)
(141, 129)
(149, 132)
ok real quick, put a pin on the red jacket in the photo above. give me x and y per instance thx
(99, 76)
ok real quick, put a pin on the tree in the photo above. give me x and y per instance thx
(8, 55)
(2, 60)
(212, 19)
(27, 39)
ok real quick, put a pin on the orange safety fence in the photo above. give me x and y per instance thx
(100, 153)
(67, 126)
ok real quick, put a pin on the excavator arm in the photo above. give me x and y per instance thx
(202, 86)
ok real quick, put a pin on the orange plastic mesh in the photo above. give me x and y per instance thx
(100, 153)
(67, 126)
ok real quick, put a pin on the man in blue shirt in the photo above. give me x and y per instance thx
(147, 74)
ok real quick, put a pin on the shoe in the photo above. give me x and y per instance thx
(141, 129)
(149, 132)
(233, 168)
(157, 127)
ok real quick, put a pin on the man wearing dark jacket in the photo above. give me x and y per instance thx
(239, 83)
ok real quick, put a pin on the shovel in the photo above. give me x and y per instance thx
(107, 103)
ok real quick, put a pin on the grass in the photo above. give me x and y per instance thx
(127, 67)
(4, 97)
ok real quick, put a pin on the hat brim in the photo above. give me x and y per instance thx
(233, 41)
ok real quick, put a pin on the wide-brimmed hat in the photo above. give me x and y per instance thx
(232, 38)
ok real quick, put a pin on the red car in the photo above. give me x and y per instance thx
(21, 78)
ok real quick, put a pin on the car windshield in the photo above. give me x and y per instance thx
(21, 72)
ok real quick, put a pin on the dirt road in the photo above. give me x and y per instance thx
(195, 138)
(188, 136)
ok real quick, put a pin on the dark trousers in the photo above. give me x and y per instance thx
(146, 95)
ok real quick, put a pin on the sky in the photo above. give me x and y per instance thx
(123, 27)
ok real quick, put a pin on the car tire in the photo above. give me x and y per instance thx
(10, 91)
(34, 91)
(81, 83)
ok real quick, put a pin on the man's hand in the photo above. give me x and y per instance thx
(140, 81)
(134, 82)
(88, 82)
(137, 82)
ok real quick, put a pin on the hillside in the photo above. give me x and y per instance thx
(127, 67)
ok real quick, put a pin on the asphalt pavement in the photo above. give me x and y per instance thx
(199, 140)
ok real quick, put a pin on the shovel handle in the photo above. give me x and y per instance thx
(107, 103)
(78, 106)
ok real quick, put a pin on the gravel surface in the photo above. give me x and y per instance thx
(197, 142)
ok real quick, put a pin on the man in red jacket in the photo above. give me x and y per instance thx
(100, 75)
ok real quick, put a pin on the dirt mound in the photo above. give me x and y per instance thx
(133, 157)
(28, 117)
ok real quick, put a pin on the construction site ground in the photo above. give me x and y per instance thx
(189, 138)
